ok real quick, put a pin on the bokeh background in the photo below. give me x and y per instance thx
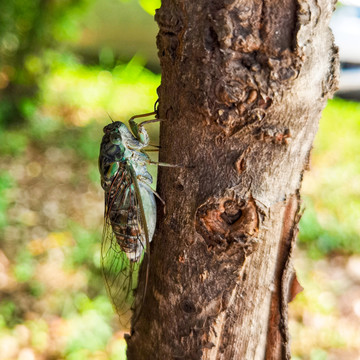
(67, 64)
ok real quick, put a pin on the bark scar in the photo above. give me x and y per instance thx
(228, 221)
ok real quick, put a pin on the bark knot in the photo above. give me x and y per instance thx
(273, 134)
(228, 223)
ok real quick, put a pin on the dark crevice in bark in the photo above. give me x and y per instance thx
(278, 25)
(278, 342)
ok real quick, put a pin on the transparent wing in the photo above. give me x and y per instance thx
(123, 239)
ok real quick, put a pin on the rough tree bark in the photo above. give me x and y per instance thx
(243, 86)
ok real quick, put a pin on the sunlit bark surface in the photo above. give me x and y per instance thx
(243, 86)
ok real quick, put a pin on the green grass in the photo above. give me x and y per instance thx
(332, 188)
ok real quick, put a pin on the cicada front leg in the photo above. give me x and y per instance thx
(139, 130)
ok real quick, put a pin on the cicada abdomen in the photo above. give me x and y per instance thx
(130, 210)
(123, 210)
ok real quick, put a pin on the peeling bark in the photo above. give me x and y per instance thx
(243, 86)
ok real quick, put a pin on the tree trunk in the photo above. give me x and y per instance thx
(243, 86)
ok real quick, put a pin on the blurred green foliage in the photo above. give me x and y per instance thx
(6, 183)
(8, 313)
(32, 32)
(56, 269)
(28, 28)
(12, 142)
(24, 266)
(332, 193)
(150, 5)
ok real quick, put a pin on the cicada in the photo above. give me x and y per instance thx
(130, 209)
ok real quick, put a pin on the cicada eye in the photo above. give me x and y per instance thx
(115, 137)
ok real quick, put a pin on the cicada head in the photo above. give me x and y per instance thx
(114, 131)
(119, 134)
(114, 127)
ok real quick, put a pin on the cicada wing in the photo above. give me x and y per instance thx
(117, 256)
(120, 276)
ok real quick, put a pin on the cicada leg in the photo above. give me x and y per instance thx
(166, 164)
(138, 129)
(142, 115)
(148, 187)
